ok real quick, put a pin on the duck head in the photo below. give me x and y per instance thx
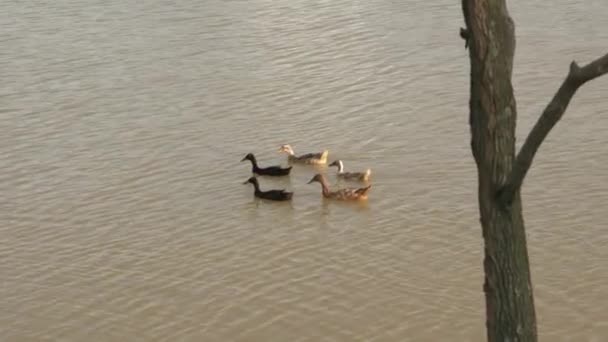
(317, 178)
(249, 156)
(286, 148)
(251, 180)
(337, 163)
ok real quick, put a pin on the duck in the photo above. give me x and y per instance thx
(361, 176)
(273, 195)
(345, 194)
(308, 158)
(265, 171)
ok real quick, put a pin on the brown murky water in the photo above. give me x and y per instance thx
(123, 216)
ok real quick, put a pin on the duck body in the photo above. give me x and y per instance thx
(360, 176)
(273, 195)
(345, 194)
(266, 171)
(308, 158)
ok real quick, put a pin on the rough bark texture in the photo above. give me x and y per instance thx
(509, 299)
(490, 36)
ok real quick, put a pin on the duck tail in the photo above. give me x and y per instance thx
(324, 156)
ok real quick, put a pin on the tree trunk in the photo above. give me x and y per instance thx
(490, 34)
(508, 289)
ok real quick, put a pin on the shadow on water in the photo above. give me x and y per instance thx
(259, 202)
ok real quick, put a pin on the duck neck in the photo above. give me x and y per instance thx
(256, 185)
(324, 186)
(254, 162)
(340, 167)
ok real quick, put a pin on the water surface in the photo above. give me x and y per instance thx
(123, 214)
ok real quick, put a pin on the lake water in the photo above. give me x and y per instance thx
(123, 213)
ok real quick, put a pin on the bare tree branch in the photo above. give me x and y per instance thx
(551, 115)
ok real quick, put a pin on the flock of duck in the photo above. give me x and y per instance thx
(319, 158)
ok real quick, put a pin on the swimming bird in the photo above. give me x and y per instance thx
(345, 194)
(273, 195)
(308, 158)
(266, 171)
(362, 176)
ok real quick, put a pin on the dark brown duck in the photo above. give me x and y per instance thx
(266, 171)
(273, 195)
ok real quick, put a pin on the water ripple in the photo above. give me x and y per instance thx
(124, 216)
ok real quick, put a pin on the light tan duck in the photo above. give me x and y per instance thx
(308, 158)
(345, 194)
(361, 176)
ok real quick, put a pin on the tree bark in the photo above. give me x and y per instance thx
(490, 36)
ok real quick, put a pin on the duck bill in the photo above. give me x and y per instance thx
(245, 182)
(244, 159)
(310, 181)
